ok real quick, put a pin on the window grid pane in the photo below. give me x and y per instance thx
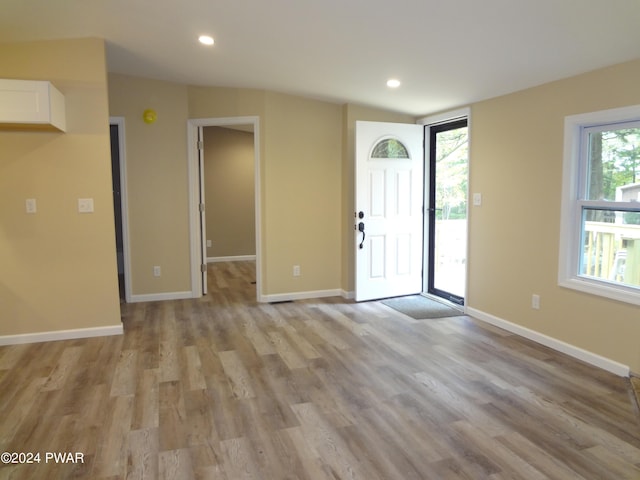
(613, 163)
(610, 220)
(611, 245)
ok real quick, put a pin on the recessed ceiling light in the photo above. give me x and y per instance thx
(393, 83)
(205, 40)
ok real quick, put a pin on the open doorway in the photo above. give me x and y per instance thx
(209, 244)
(384, 184)
(448, 166)
(229, 193)
(118, 179)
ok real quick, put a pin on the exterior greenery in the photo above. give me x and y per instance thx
(451, 165)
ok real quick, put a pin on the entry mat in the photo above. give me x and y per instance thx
(421, 308)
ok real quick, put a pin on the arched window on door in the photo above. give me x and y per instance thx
(389, 148)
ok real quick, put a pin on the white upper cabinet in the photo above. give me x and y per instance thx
(31, 104)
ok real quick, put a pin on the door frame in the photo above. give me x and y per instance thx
(195, 229)
(428, 122)
(126, 251)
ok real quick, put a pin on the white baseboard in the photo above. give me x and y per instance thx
(236, 258)
(566, 348)
(156, 297)
(61, 335)
(287, 297)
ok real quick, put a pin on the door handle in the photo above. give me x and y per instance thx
(361, 229)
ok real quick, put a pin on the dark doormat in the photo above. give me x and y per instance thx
(421, 308)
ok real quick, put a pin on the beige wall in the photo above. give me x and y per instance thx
(157, 180)
(516, 163)
(58, 267)
(229, 192)
(300, 153)
(219, 102)
(302, 205)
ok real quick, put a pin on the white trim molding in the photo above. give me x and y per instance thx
(235, 258)
(287, 297)
(558, 345)
(445, 116)
(61, 335)
(157, 297)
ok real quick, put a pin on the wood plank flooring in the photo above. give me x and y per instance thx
(225, 388)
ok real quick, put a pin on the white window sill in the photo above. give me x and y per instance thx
(603, 289)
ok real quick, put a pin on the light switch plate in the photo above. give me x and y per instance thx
(477, 199)
(85, 205)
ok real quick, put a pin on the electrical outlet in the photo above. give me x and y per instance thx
(209, 243)
(31, 205)
(296, 270)
(156, 271)
(85, 205)
(535, 301)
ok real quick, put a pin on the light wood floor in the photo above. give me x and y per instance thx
(225, 388)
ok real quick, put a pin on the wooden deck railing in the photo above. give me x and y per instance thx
(612, 252)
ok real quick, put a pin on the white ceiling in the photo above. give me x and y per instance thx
(447, 53)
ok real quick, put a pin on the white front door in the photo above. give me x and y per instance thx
(388, 217)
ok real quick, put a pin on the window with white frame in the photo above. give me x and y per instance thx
(600, 228)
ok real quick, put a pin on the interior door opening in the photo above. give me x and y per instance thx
(227, 192)
(116, 134)
(117, 206)
(447, 203)
(200, 249)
